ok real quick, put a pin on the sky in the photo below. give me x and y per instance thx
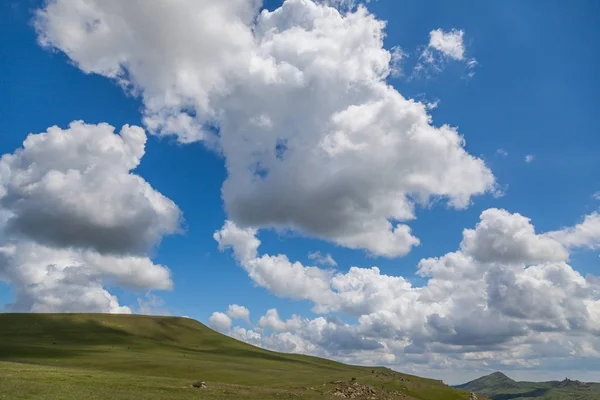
(408, 184)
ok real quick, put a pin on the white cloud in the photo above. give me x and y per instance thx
(74, 219)
(432, 105)
(450, 44)
(443, 47)
(301, 335)
(238, 312)
(504, 299)
(293, 280)
(509, 239)
(471, 65)
(69, 280)
(502, 152)
(246, 335)
(584, 234)
(116, 40)
(345, 159)
(243, 241)
(596, 195)
(272, 321)
(74, 187)
(220, 322)
(322, 259)
(529, 158)
(275, 273)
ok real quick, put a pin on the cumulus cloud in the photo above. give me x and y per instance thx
(272, 321)
(219, 322)
(529, 158)
(238, 312)
(302, 335)
(74, 218)
(509, 239)
(322, 259)
(243, 241)
(68, 280)
(346, 158)
(275, 273)
(74, 187)
(503, 298)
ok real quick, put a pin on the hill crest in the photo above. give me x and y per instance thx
(47, 352)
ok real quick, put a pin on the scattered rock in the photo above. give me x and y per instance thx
(354, 390)
(473, 396)
(199, 385)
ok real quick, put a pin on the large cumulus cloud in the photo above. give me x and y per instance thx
(314, 138)
(503, 299)
(73, 187)
(74, 218)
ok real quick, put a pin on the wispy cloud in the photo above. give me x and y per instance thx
(151, 304)
(322, 259)
(432, 105)
(444, 47)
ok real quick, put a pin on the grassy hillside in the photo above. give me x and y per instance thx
(500, 387)
(96, 356)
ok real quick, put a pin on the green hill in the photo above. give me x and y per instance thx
(97, 356)
(493, 382)
(498, 386)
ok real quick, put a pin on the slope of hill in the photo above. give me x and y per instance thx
(498, 386)
(97, 356)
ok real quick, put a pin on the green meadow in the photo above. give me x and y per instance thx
(98, 356)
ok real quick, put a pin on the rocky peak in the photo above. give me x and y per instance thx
(570, 383)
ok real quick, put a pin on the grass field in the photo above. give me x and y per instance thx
(97, 356)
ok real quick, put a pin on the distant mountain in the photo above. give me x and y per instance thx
(489, 383)
(498, 386)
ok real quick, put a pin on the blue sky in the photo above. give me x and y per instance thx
(533, 92)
